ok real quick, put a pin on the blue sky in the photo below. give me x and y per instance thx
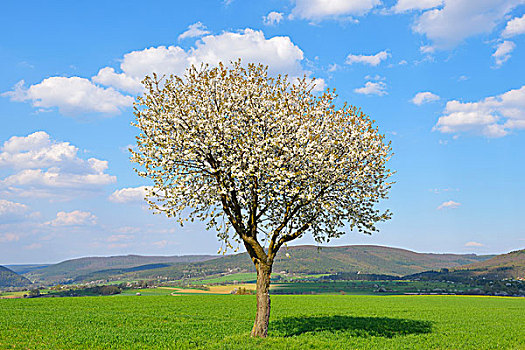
(444, 80)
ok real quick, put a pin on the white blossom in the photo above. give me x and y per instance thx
(259, 159)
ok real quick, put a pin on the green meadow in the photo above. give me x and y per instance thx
(297, 322)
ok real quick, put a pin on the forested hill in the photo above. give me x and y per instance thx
(311, 259)
(298, 259)
(9, 278)
(71, 269)
(499, 267)
(368, 259)
(511, 265)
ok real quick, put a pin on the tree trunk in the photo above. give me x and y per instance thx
(262, 318)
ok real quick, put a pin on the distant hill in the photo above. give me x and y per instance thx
(70, 270)
(311, 259)
(25, 268)
(298, 259)
(511, 265)
(10, 278)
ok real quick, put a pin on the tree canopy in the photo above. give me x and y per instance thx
(262, 160)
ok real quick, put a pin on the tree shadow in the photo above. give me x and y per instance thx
(355, 326)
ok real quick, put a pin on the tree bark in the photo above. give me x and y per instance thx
(262, 318)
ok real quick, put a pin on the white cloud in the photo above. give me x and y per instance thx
(503, 51)
(279, 53)
(160, 244)
(33, 246)
(372, 60)
(194, 30)
(515, 26)
(424, 97)
(77, 95)
(441, 190)
(493, 116)
(108, 77)
(317, 10)
(449, 205)
(8, 208)
(74, 218)
(118, 238)
(273, 18)
(46, 168)
(372, 88)
(72, 96)
(137, 64)
(9, 237)
(130, 194)
(36, 150)
(54, 177)
(410, 5)
(457, 20)
(376, 77)
(333, 67)
(474, 244)
(128, 229)
(118, 245)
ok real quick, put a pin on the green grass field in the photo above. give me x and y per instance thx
(297, 322)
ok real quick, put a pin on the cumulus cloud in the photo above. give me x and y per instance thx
(493, 116)
(72, 96)
(449, 205)
(194, 30)
(424, 97)
(372, 60)
(279, 53)
(514, 27)
(317, 10)
(48, 168)
(73, 218)
(137, 64)
(36, 150)
(474, 244)
(107, 91)
(8, 208)
(130, 194)
(503, 51)
(457, 20)
(372, 88)
(273, 18)
(411, 5)
(108, 77)
(11, 212)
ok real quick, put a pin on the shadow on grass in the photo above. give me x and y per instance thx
(355, 326)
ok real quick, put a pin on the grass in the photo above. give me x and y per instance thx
(297, 322)
(362, 287)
